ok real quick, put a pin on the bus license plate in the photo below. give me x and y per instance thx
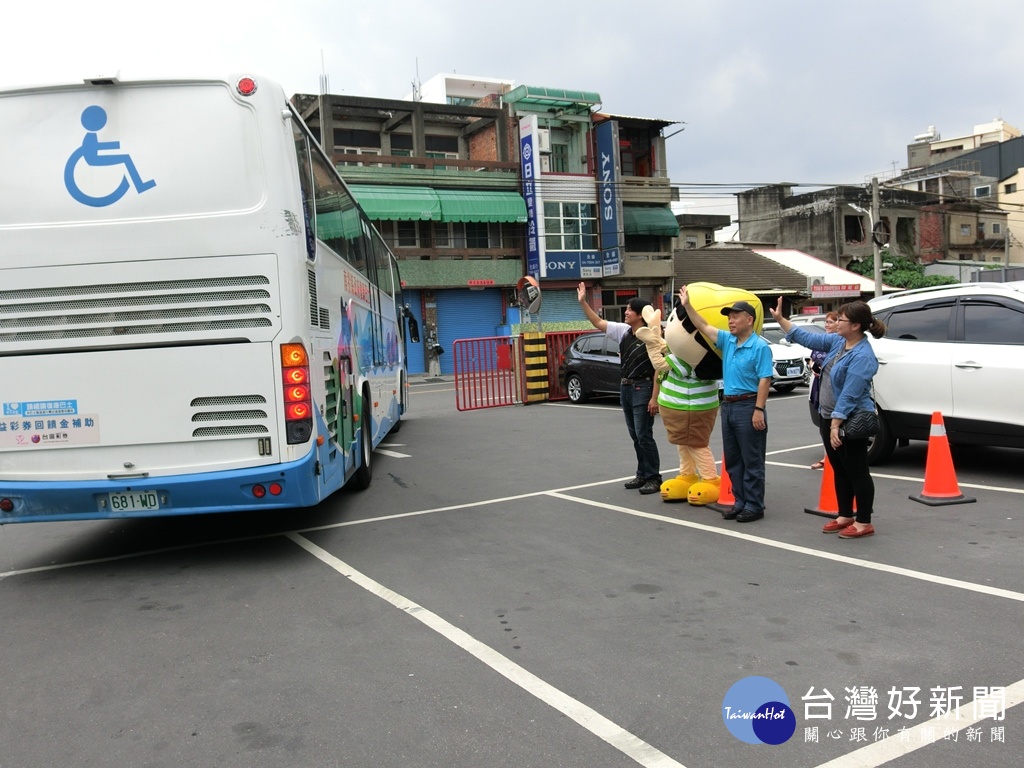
(132, 502)
(793, 371)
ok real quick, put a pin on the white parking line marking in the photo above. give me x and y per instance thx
(581, 405)
(1000, 488)
(855, 561)
(880, 752)
(870, 756)
(392, 454)
(588, 718)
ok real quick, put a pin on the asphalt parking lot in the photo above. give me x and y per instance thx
(498, 598)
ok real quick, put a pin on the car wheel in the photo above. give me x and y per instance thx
(783, 388)
(881, 446)
(574, 388)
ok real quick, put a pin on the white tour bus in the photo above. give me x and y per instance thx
(195, 315)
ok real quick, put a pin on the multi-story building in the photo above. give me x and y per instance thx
(984, 168)
(442, 185)
(599, 196)
(445, 182)
(835, 224)
(957, 200)
(697, 230)
(929, 148)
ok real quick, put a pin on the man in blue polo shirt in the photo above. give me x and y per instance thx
(746, 377)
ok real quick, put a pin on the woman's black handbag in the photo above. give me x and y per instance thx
(860, 425)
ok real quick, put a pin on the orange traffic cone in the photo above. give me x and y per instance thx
(940, 486)
(828, 506)
(725, 497)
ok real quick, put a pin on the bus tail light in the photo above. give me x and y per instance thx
(260, 491)
(246, 86)
(297, 401)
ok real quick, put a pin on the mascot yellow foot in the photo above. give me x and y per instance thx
(678, 487)
(703, 492)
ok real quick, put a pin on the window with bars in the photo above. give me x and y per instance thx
(482, 235)
(570, 226)
(358, 151)
(559, 158)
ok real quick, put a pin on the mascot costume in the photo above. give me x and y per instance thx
(688, 370)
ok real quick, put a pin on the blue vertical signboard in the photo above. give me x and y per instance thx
(531, 193)
(608, 202)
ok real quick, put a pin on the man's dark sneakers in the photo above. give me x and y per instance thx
(749, 516)
(651, 486)
(731, 514)
(636, 482)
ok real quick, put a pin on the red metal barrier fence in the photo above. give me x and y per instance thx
(557, 343)
(492, 372)
(488, 372)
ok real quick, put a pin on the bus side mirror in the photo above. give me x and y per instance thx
(414, 327)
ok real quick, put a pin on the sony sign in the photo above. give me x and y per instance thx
(609, 204)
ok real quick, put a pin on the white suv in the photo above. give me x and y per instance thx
(956, 349)
(789, 361)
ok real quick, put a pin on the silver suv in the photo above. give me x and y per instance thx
(956, 349)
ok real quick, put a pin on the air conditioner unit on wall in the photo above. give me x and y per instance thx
(544, 140)
(545, 164)
(813, 280)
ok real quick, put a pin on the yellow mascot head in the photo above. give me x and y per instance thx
(709, 299)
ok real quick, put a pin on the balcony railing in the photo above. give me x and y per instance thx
(428, 171)
(647, 189)
(453, 254)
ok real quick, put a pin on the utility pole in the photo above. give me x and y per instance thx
(875, 233)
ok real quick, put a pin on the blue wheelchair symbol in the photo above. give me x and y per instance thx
(93, 120)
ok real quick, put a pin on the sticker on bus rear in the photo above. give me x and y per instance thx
(42, 408)
(40, 431)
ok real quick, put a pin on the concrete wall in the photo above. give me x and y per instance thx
(932, 236)
(1014, 203)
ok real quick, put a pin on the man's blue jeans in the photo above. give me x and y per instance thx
(745, 449)
(635, 398)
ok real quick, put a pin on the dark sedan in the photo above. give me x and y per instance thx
(590, 366)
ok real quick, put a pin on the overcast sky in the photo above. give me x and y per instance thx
(805, 91)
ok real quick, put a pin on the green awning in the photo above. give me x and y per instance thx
(331, 225)
(398, 203)
(467, 205)
(645, 220)
(557, 98)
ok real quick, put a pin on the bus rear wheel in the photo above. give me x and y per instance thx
(364, 474)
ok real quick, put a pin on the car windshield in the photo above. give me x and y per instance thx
(774, 335)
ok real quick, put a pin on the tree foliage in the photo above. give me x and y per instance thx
(903, 272)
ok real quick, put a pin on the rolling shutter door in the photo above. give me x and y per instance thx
(560, 307)
(465, 314)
